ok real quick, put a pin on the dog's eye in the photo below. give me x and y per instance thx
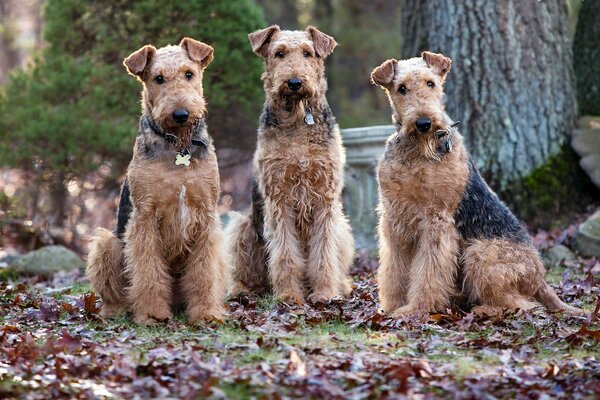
(430, 84)
(280, 54)
(159, 79)
(188, 75)
(307, 54)
(402, 89)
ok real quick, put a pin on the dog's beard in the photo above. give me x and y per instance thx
(184, 136)
(289, 96)
(429, 149)
(429, 143)
(183, 132)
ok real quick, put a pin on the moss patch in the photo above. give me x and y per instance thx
(553, 192)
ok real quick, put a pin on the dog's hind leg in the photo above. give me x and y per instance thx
(248, 256)
(105, 271)
(500, 274)
(346, 253)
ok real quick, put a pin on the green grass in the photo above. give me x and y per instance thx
(472, 347)
(79, 288)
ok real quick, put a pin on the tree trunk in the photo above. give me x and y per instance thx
(58, 198)
(281, 12)
(9, 56)
(511, 82)
(586, 48)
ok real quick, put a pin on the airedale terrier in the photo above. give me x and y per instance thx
(298, 240)
(445, 236)
(167, 249)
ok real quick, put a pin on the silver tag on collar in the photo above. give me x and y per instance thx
(448, 145)
(308, 118)
(183, 158)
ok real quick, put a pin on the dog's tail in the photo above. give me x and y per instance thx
(548, 297)
(248, 255)
(105, 270)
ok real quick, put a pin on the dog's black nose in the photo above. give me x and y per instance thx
(180, 115)
(295, 84)
(423, 124)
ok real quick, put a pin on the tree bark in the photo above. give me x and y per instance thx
(511, 83)
(9, 56)
(58, 199)
(586, 48)
(281, 12)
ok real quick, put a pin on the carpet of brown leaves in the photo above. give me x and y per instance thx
(53, 345)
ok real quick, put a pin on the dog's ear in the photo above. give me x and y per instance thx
(439, 63)
(324, 44)
(261, 38)
(385, 73)
(138, 61)
(197, 51)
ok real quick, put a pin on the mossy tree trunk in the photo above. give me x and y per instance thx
(512, 83)
(586, 49)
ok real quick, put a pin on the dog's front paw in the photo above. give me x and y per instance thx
(239, 289)
(110, 310)
(320, 297)
(198, 316)
(347, 287)
(408, 311)
(291, 298)
(317, 298)
(154, 318)
(485, 311)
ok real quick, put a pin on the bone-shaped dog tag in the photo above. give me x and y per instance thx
(182, 159)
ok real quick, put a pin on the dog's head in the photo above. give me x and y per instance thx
(172, 79)
(294, 61)
(415, 89)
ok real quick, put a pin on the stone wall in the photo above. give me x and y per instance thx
(364, 147)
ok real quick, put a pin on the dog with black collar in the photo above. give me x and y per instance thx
(167, 248)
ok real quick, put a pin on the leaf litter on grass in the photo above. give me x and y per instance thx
(53, 344)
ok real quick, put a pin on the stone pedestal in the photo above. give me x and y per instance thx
(587, 240)
(364, 147)
(586, 142)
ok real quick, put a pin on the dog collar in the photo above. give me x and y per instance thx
(172, 139)
(443, 136)
(184, 156)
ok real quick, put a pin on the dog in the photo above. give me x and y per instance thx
(444, 235)
(167, 249)
(297, 241)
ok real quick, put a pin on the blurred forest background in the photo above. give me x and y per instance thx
(524, 71)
